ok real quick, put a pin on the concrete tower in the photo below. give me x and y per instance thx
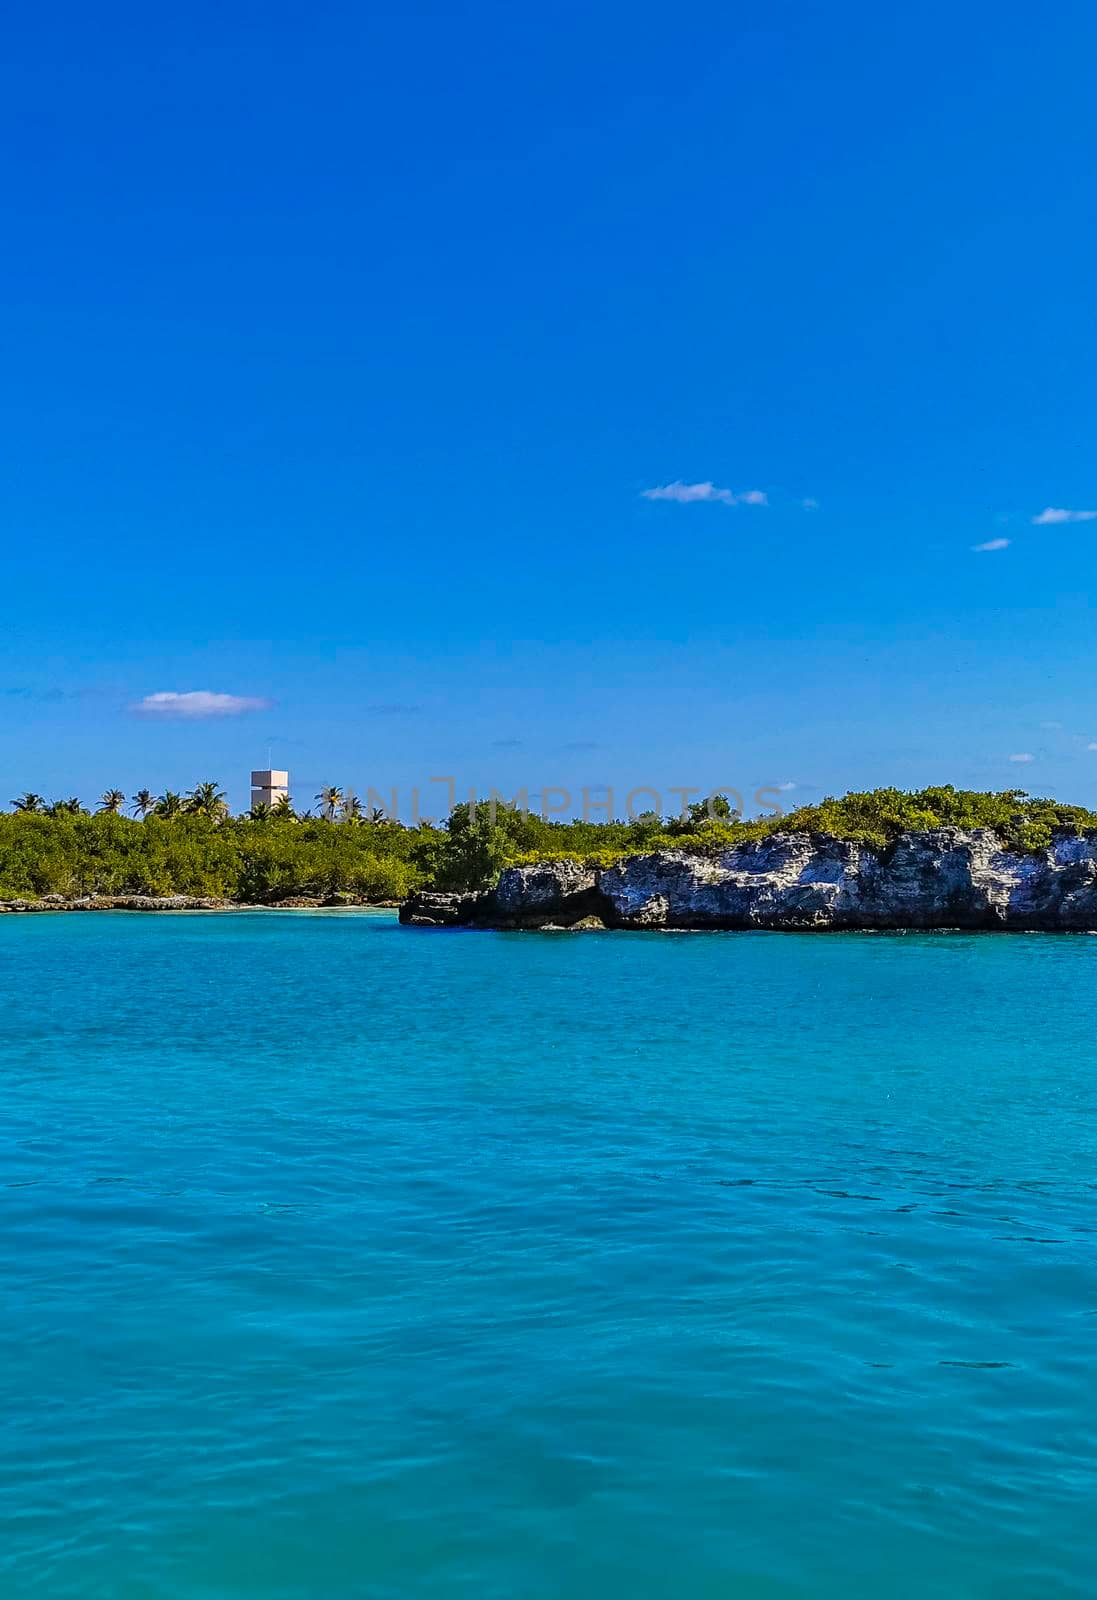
(267, 788)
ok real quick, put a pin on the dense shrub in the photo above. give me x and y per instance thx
(880, 815)
(197, 855)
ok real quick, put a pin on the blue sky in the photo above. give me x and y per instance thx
(341, 344)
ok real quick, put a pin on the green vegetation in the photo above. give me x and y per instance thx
(879, 816)
(191, 845)
(476, 846)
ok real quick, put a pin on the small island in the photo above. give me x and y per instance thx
(886, 858)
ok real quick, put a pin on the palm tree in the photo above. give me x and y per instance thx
(28, 802)
(169, 805)
(260, 812)
(283, 807)
(352, 808)
(65, 808)
(112, 801)
(143, 802)
(330, 798)
(206, 800)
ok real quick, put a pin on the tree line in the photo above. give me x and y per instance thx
(191, 844)
(204, 800)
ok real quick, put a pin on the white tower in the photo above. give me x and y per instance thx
(267, 788)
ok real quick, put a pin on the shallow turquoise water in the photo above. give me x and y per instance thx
(339, 1259)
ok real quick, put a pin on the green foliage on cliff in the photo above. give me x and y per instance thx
(879, 816)
(475, 847)
(876, 817)
(193, 847)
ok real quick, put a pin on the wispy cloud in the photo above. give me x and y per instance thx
(395, 710)
(1053, 514)
(690, 493)
(197, 703)
(1023, 755)
(52, 693)
(1092, 745)
(992, 544)
(24, 692)
(809, 503)
(787, 786)
(506, 744)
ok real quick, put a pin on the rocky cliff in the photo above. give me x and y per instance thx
(942, 878)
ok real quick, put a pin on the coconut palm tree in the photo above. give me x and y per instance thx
(169, 805)
(65, 808)
(283, 807)
(207, 800)
(143, 802)
(352, 808)
(260, 812)
(113, 800)
(28, 802)
(330, 798)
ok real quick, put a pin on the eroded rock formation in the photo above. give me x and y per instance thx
(942, 878)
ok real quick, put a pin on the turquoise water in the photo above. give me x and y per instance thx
(344, 1260)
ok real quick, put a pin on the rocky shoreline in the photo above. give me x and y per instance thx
(942, 878)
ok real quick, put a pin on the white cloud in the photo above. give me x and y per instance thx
(1052, 514)
(1024, 756)
(809, 504)
(687, 493)
(992, 544)
(1092, 745)
(785, 787)
(197, 703)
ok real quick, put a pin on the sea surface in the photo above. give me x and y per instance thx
(345, 1260)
